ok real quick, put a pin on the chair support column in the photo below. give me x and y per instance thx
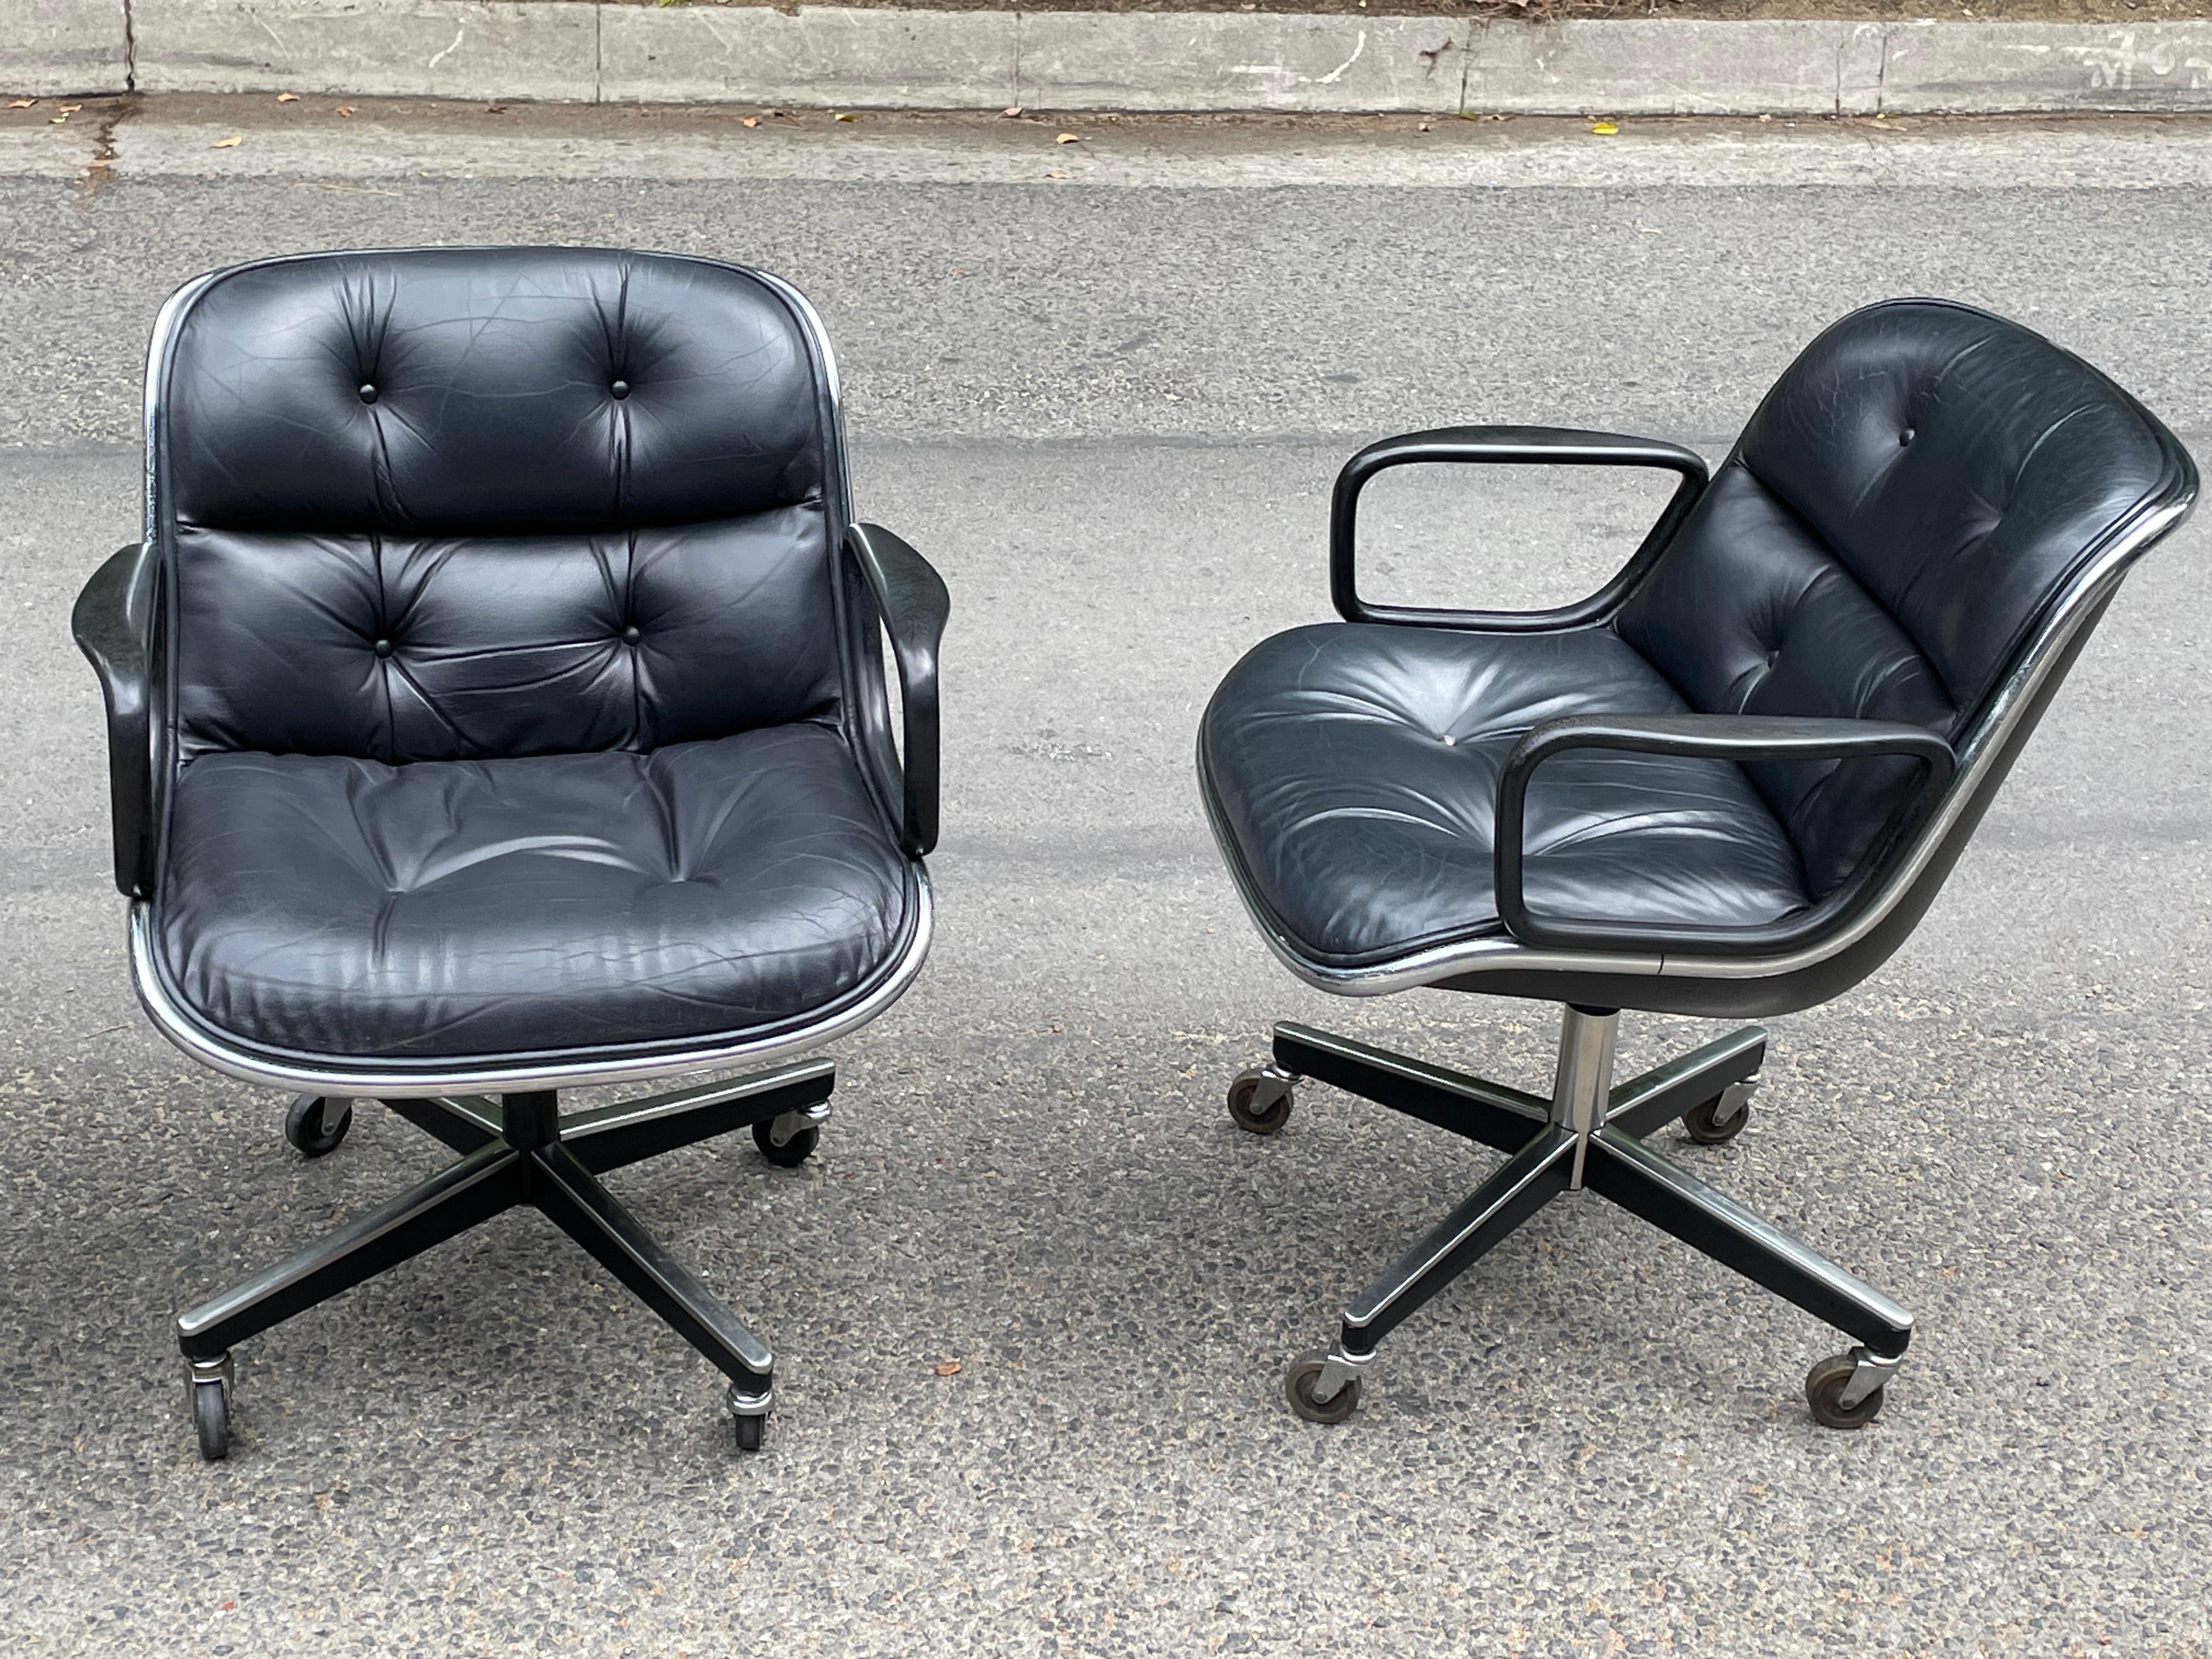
(1584, 1079)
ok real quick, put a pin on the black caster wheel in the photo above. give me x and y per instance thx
(751, 1429)
(1260, 1102)
(1703, 1125)
(1298, 1389)
(211, 1418)
(1824, 1388)
(314, 1124)
(789, 1156)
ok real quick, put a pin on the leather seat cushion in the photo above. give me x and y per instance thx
(1355, 769)
(342, 906)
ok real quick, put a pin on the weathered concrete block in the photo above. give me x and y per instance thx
(1239, 61)
(63, 46)
(864, 57)
(377, 48)
(1987, 68)
(1667, 66)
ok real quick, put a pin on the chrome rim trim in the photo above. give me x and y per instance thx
(1495, 954)
(224, 1054)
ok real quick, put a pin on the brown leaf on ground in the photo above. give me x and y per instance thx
(288, 97)
(1012, 109)
(947, 1368)
(1067, 138)
(345, 109)
(750, 121)
(21, 103)
(231, 142)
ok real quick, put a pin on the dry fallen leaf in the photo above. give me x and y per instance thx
(1055, 175)
(57, 120)
(1604, 129)
(231, 142)
(345, 109)
(288, 97)
(1067, 138)
(494, 109)
(21, 103)
(1012, 109)
(843, 115)
(948, 1368)
(750, 121)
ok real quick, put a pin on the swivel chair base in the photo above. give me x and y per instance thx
(1590, 1134)
(519, 1149)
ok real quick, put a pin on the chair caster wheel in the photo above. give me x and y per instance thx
(314, 1124)
(797, 1143)
(1824, 1392)
(1260, 1100)
(1298, 1384)
(749, 1415)
(210, 1389)
(1716, 1121)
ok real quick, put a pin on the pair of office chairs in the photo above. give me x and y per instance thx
(497, 706)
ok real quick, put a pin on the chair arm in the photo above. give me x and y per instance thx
(112, 625)
(1507, 446)
(911, 596)
(1720, 737)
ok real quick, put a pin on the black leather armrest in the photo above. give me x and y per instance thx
(911, 598)
(1726, 736)
(1508, 446)
(112, 625)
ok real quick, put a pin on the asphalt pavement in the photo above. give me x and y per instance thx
(1109, 406)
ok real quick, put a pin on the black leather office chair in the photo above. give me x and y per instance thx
(1728, 783)
(496, 704)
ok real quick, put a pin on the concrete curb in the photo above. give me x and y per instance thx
(578, 51)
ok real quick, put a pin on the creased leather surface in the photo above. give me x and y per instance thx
(508, 665)
(1367, 833)
(441, 648)
(1907, 498)
(1905, 502)
(342, 906)
(493, 406)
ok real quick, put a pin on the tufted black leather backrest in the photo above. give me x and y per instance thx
(1906, 503)
(452, 504)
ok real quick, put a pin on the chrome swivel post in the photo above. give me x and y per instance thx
(1584, 1079)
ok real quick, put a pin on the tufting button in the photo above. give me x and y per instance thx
(1448, 740)
(384, 648)
(1904, 437)
(620, 388)
(368, 392)
(630, 635)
